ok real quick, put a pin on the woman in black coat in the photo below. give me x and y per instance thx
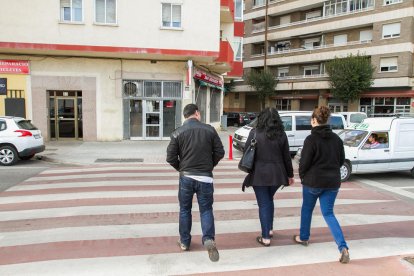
(319, 170)
(272, 167)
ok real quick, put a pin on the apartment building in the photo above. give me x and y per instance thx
(302, 36)
(108, 70)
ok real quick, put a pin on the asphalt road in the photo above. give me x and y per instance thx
(22, 170)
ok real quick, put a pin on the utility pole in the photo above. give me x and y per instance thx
(265, 38)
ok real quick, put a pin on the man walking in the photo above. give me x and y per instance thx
(194, 150)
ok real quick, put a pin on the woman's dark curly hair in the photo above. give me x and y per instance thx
(269, 121)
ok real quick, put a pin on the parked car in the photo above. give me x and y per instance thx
(19, 139)
(395, 151)
(353, 118)
(239, 118)
(297, 127)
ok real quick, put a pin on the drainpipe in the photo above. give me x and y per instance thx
(265, 44)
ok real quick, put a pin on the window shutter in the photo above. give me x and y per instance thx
(365, 35)
(391, 30)
(176, 15)
(340, 39)
(65, 3)
(388, 62)
(100, 11)
(166, 15)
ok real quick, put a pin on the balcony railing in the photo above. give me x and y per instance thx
(315, 19)
(303, 49)
(303, 77)
(264, 3)
(259, 27)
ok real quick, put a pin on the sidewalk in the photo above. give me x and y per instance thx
(127, 151)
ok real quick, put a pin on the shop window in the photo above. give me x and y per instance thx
(71, 10)
(105, 11)
(391, 30)
(403, 101)
(215, 105)
(389, 64)
(171, 15)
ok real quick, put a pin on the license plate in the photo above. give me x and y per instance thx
(36, 136)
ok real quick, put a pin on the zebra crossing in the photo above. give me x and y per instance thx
(123, 220)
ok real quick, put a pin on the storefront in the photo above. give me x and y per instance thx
(152, 109)
(387, 103)
(14, 76)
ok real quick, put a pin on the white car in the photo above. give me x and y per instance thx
(353, 118)
(19, 139)
(297, 127)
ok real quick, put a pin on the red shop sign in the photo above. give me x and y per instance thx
(14, 67)
(206, 77)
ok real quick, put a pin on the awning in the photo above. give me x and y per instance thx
(211, 85)
(296, 97)
(388, 93)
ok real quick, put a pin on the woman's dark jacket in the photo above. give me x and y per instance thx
(321, 159)
(273, 164)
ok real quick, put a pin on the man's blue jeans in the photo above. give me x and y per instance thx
(204, 191)
(264, 197)
(327, 201)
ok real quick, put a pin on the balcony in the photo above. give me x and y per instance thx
(311, 20)
(224, 63)
(300, 77)
(227, 11)
(310, 49)
(237, 71)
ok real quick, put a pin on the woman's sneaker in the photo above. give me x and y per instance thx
(213, 253)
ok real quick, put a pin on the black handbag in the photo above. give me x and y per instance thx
(246, 163)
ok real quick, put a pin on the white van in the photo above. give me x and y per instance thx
(297, 127)
(393, 151)
(353, 118)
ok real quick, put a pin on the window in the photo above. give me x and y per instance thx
(365, 36)
(238, 49)
(313, 14)
(391, 30)
(287, 122)
(2, 125)
(303, 123)
(311, 70)
(284, 104)
(171, 15)
(389, 2)
(215, 101)
(238, 10)
(259, 2)
(340, 39)
(71, 10)
(284, 19)
(312, 42)
(105, 11)
(389, 64)
(283, 72)
(336, 122)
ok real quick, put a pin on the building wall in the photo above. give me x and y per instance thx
(139, 25)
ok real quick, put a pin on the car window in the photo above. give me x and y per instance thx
(336, 122)
(357, 118)
(303, 123)
(25, 124)
(287, 122)
(2, 125)
(352, 138)
(379, 141)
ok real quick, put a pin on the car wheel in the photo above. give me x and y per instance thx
(345, 171)
(8, 155)
(27, 157)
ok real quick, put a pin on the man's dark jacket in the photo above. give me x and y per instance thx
(321, 159)
(195, 149)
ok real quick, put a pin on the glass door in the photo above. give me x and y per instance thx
(66, 118)
(152, 119)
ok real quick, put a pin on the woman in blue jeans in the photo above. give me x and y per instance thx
(319, 170)
(272, 167)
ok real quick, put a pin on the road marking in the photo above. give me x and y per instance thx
(395, 190)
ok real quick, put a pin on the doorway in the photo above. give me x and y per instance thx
(153, 119)
(65, 115)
